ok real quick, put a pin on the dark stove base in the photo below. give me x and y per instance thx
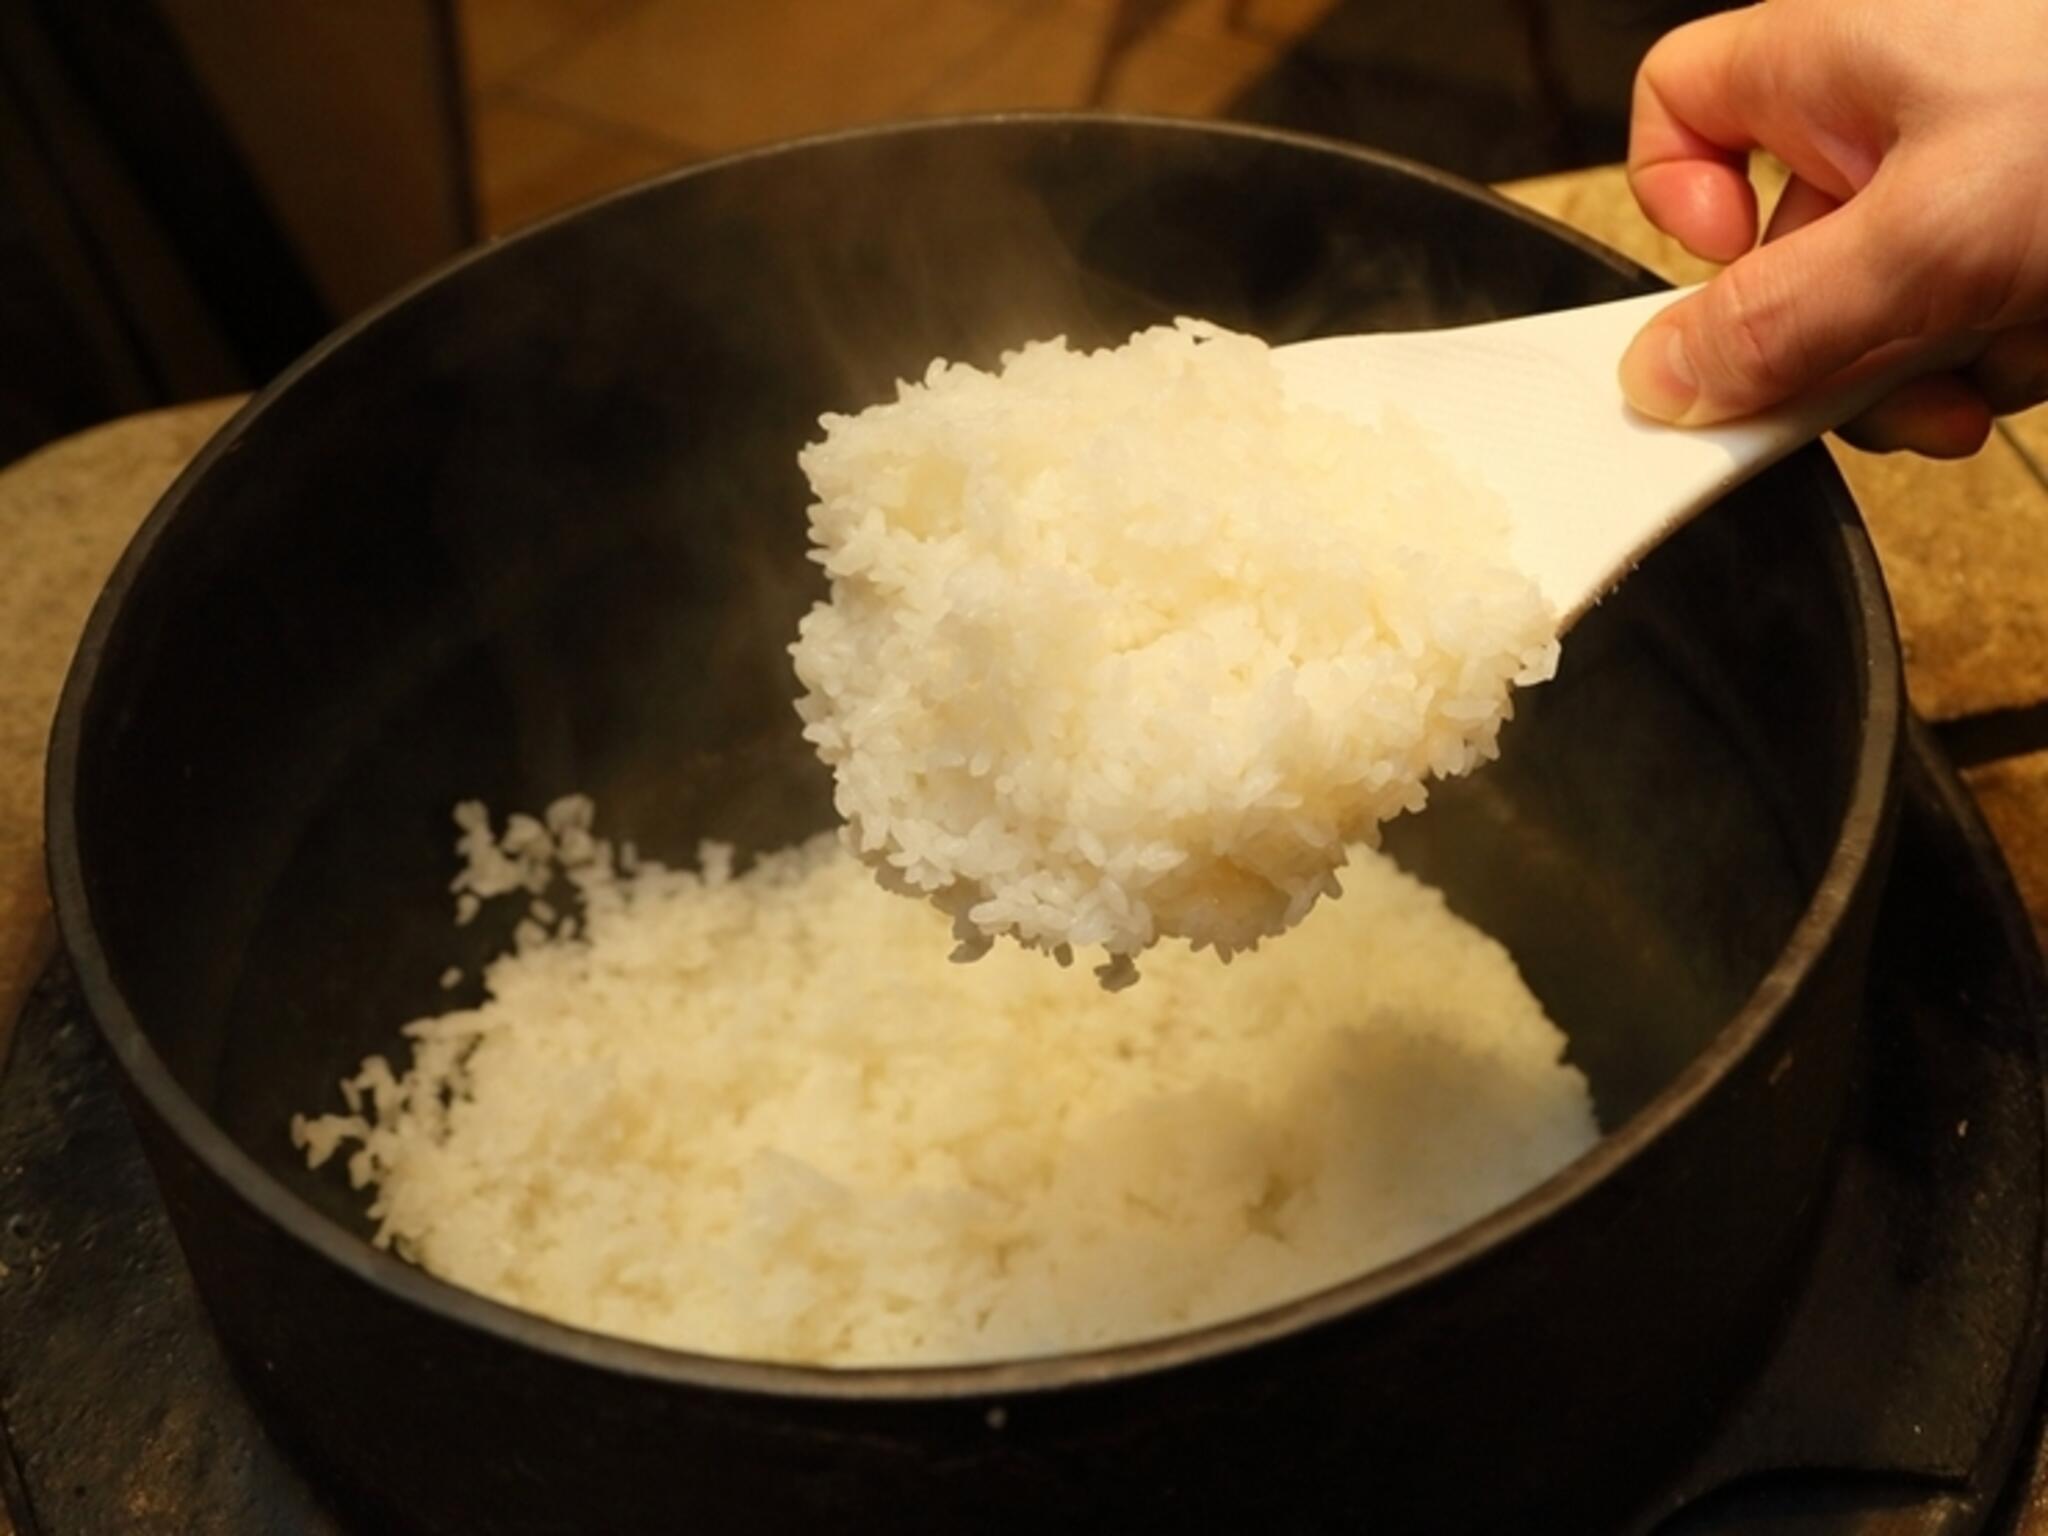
(1903, 1391)
(1898, 1399)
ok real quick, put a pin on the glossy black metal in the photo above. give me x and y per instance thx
(537, 526)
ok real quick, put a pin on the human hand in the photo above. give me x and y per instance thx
(1916, 133)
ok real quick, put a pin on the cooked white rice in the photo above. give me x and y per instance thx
(1124, 646)
(761, 1116)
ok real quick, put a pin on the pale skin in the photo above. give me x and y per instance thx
(1916, 132)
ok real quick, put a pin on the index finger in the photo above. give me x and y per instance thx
(1688, 142)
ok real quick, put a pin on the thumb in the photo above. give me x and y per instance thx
(1779, 321)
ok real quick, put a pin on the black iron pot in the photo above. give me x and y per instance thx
(537, 527)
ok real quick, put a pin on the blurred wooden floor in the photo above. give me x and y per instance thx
(570, 98)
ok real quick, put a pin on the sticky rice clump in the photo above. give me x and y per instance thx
(754, 1111)
(1124, 646)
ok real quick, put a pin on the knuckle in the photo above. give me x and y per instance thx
(1752, 349)
(1665, 55)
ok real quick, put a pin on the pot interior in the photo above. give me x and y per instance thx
(539, 529)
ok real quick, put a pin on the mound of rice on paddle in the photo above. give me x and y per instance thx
(1123, 646)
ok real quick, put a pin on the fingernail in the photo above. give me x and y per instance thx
(1657, 375)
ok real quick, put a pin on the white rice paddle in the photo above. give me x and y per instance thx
(1533, 408)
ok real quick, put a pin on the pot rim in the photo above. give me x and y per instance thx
(1849, 864)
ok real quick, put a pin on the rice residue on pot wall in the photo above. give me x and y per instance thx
(760, 1115)
(1127, 645)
